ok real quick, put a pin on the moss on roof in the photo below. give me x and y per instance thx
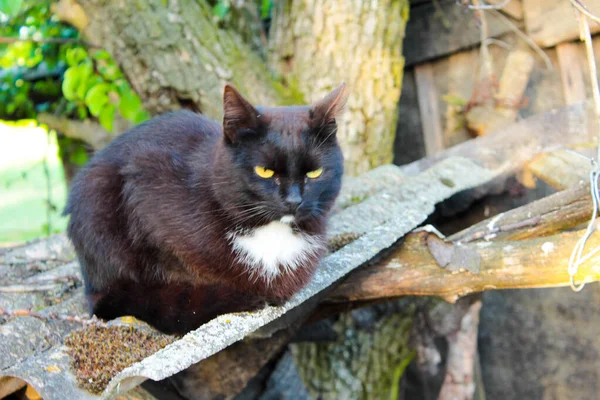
(99, 353)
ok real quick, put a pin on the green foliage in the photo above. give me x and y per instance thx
(30, 69)
(221, 9)
(94, 83)
(59, 75)
(454, 100)
(46, 67)
(10, 7)
(265, 8)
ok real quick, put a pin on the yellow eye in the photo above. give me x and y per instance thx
(263, 172)
(315, 174)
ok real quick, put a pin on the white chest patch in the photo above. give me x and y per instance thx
(274, 248)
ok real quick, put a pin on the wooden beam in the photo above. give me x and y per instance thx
(511, 147)
(561, 169)
(429, 109)
(413, 269)
(544, 217)
(442, 27)
(10, 385)
(462, 356)
(513, 9)
(550, 22)
(570, 61)
(503, 109)
(516, 249)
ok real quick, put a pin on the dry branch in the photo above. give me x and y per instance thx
(459, 382)
(87, 131)
(39, 285)
(413, 270)
(48, 317)
(525, 252)
(544, 217)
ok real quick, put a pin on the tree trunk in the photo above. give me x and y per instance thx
(177, 56)
(367, 359)
(315, 45)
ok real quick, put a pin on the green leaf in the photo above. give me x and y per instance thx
(221, 9)
(110, 72)
(10, 7)
(454, 100)
(85, 71)
(78, 156)
(11, 108)
(141, 116)
(75, 56)
(265, 8)
(82, 112)
(96, 98)
(107, 116)
(70, 83)
(101, 55)
(130, 105)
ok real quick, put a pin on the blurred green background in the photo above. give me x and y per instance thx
(49, 76)
(32, 183)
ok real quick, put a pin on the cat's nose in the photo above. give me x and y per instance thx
(293, 199)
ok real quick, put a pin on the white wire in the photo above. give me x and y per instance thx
(577, 258)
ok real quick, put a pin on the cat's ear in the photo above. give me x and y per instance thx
(238, 114)
(327, 109)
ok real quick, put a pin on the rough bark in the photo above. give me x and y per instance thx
(317, 44)
(415, 268)
(555, 213)
(366, 360)
(176, 56)
(459, 383)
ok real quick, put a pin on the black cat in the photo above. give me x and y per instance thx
(179, 219)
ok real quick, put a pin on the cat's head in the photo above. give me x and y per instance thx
(278, 163)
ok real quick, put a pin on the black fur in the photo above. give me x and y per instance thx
(150, 212)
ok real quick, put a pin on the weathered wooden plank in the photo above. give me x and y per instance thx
(415, 269)
(433, 32)
(408, 145)
(550, 22)
(455, 79)
(9, 385)
(557, 212)
(570, 61)
(31, 394)
(428, 109)
(561, 169)
(544, 91)
(510, 147)
(514, 8)
(504, 108)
